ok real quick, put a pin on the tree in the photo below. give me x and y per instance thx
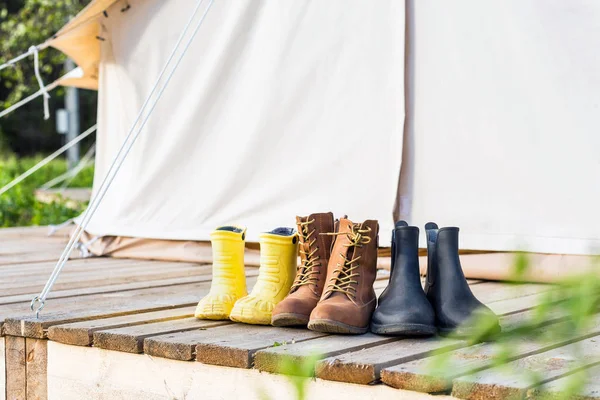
(24, 23)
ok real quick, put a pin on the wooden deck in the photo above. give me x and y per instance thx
(105, 314)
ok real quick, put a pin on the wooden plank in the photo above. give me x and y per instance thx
(28, 258)
(114, 279)
(74, 267)
(48, 256)
(27, 231)
(272, 358)
(131, 339)
(81, 333)
(489, 292)
(418, 375)
(235, 346)
(33, 273)
(124, 272)
(175, 346)
(232, 345)
(513, 380)
(16, 377)
(76, 264)
(36, 248)
(36, 369)
(28, 246)
(103, 305)
(554, 390)
(2, 369)
(119, 288)
(364, 366)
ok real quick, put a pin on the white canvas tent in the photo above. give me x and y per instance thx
(285, 108)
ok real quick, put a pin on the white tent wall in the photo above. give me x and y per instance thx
(278, 109)
(503, 124)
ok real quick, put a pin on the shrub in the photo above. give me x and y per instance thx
(19, 207)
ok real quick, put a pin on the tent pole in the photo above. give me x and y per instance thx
(72, 106)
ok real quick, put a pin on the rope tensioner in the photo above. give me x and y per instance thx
(36, 66)
(20, 57)
(124, 150)
(43, 91)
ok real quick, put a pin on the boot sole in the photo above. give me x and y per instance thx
(404, 329)
(289, 319)
(213, 317)
(329, 326)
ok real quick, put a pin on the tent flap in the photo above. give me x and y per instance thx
(79, 39)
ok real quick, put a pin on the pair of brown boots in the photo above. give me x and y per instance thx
(333, 289)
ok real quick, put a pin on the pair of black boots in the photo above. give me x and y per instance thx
(447, 304)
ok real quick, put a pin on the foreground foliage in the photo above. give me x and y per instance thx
(19, 207)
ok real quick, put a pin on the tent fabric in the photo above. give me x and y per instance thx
(285, 108)
(79, 40)
(502, 123)
(278, 109)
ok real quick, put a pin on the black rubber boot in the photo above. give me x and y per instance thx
(457, 311)
(403, 307)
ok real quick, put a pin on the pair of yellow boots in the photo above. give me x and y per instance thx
(228, 297)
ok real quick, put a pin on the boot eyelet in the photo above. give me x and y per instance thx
(294, 240)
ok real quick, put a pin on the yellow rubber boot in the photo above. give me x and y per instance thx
(228, 279)
(278, 261)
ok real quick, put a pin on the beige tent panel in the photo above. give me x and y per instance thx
(79, 40)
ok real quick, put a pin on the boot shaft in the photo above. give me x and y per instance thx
(443, 262)
(278, 261)
(352, 267)
(447, 289)
(314, 245)
(228, 243)
(405, 256)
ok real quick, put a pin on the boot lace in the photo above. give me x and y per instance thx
(345, 282)
(307, 271)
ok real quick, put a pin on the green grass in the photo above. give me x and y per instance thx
(19, 207)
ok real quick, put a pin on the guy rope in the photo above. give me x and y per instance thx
(38, 302)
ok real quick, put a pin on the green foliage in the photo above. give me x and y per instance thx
(19, 207)
(24, 23)
(298, 371)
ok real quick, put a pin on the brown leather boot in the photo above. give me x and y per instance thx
(315, 248)
(349, 300)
